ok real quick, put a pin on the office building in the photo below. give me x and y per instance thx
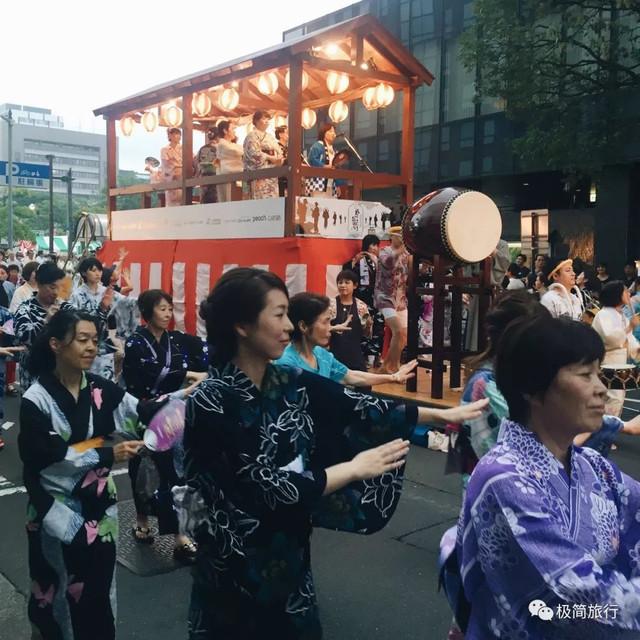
(38, 133)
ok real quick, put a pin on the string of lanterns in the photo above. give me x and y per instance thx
(374, 97)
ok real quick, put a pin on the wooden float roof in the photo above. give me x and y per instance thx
(353, 42)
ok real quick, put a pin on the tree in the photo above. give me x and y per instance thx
(566, 71)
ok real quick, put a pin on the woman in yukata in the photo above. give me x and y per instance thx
(311, 316)
(616, 331)
(72, 522)
(271, 451)
(158, 361)
(548, 528)
(92, 296)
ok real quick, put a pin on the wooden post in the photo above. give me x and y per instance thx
(187, 148)
(294, 154)
(408, 137)
(413, 313)
(437, 353)
(456, 332)
(112, 167)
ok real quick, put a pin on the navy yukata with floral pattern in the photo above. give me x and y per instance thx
(255, 470)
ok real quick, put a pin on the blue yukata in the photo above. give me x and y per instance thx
(255, 471)
(528, 531)
(328, 365)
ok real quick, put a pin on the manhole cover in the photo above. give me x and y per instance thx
(143, 559)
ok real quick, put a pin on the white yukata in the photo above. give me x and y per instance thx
(620, 346)
(171, 166)
(562, 303)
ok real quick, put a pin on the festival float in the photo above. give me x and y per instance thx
(303, 238)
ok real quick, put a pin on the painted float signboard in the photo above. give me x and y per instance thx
(333, 218)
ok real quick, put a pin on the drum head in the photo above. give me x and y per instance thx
(472, 226)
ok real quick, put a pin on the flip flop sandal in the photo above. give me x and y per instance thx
(142, 535)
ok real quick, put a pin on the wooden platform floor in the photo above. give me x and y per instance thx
(451, 397)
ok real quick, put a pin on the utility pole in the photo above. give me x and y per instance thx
(69, 179)
(50, 158)
(9, 120)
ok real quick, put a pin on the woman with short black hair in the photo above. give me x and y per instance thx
(272, 451)
(544, 522)
(92, 296)
(157, 361)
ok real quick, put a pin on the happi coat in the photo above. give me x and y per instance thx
(528, 531)
(72, 522)
(255, 470)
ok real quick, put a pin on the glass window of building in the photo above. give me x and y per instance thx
(365, 122)
(466, 135)
(383, 150)
(466, 168)
(444, 139)
(487, 164)
(489, 131)
(459, 85)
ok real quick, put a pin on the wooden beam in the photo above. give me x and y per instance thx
(356, 72)
(408, 142)
(112, 166)
(357, 48)
(187, 147)
(294, 152)
(369, 180)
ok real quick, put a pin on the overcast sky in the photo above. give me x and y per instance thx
(72, 56)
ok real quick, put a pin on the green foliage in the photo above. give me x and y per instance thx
(566, 71)
(29, 221)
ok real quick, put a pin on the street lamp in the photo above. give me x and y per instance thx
(10, 122)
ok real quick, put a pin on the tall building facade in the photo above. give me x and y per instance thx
(462, 141)
(38, 133)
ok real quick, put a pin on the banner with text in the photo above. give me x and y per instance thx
(217, 221)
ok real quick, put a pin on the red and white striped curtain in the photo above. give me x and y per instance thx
(188, 269)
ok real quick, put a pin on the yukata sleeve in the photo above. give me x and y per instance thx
(54, 471)
(347, 422)
(131, 366)
(522, 547)
(483, 430)
(253, 155)
(217, 470)
(316, 155)
(24, 326)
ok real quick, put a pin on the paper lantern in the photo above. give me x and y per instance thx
(229, 99)
(173, 115)
(126, 125)
(384, 94)
(369, 99)
(338, 111)
(337, 82)
(308, 118)
(280, 121)
(201, 104)
(305, 80)
(150, 120)
(268, 83)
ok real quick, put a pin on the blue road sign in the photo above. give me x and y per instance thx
(25, 174)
